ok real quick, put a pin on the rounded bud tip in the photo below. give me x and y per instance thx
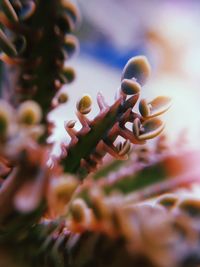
(70, 124)
(137, 67)
(78, 210)
(130, 87)
(64, 187)
(62, 98)
(84, 104)
(29, 113)
(149, 129)
(144, 108)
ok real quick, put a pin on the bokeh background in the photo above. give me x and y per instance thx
(166, 31)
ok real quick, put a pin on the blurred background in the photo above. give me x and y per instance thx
(166, 31)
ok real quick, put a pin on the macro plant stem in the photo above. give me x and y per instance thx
(91, 205)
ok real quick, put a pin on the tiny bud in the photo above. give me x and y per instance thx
(137, 67)
(78, 210)
(130, 87)
(98, 204)
(159, 105)
(136, 127)
(84, 104)
(72, 13)
(119, 146)
(71, 45)
(191, 207)
(57, 84)
(62, 98)
(29, 113)
(126, 146)
(67, 75)
(154, 108)
(27, 10)
(150, 129)
(64, 187)
(144, 108)
(70, 124)
(64, 23)
(168, 200)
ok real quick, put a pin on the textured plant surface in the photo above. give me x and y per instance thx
(109, 198)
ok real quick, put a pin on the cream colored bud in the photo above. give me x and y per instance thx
(191, 207)
(79, 210)
(144, 108)
(137, 67)
(168, 200)
(64, 187)
(62, 98)
(70, 124)
(119, 146)
(71, 45)
(130, 87)
(84, 104)
(154, 108)
(29, 113)
(125, 149)
(150, 129)
(136, 127)
(27, 11)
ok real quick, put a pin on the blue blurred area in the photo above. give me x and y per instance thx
(113, 31)
(105, 52)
